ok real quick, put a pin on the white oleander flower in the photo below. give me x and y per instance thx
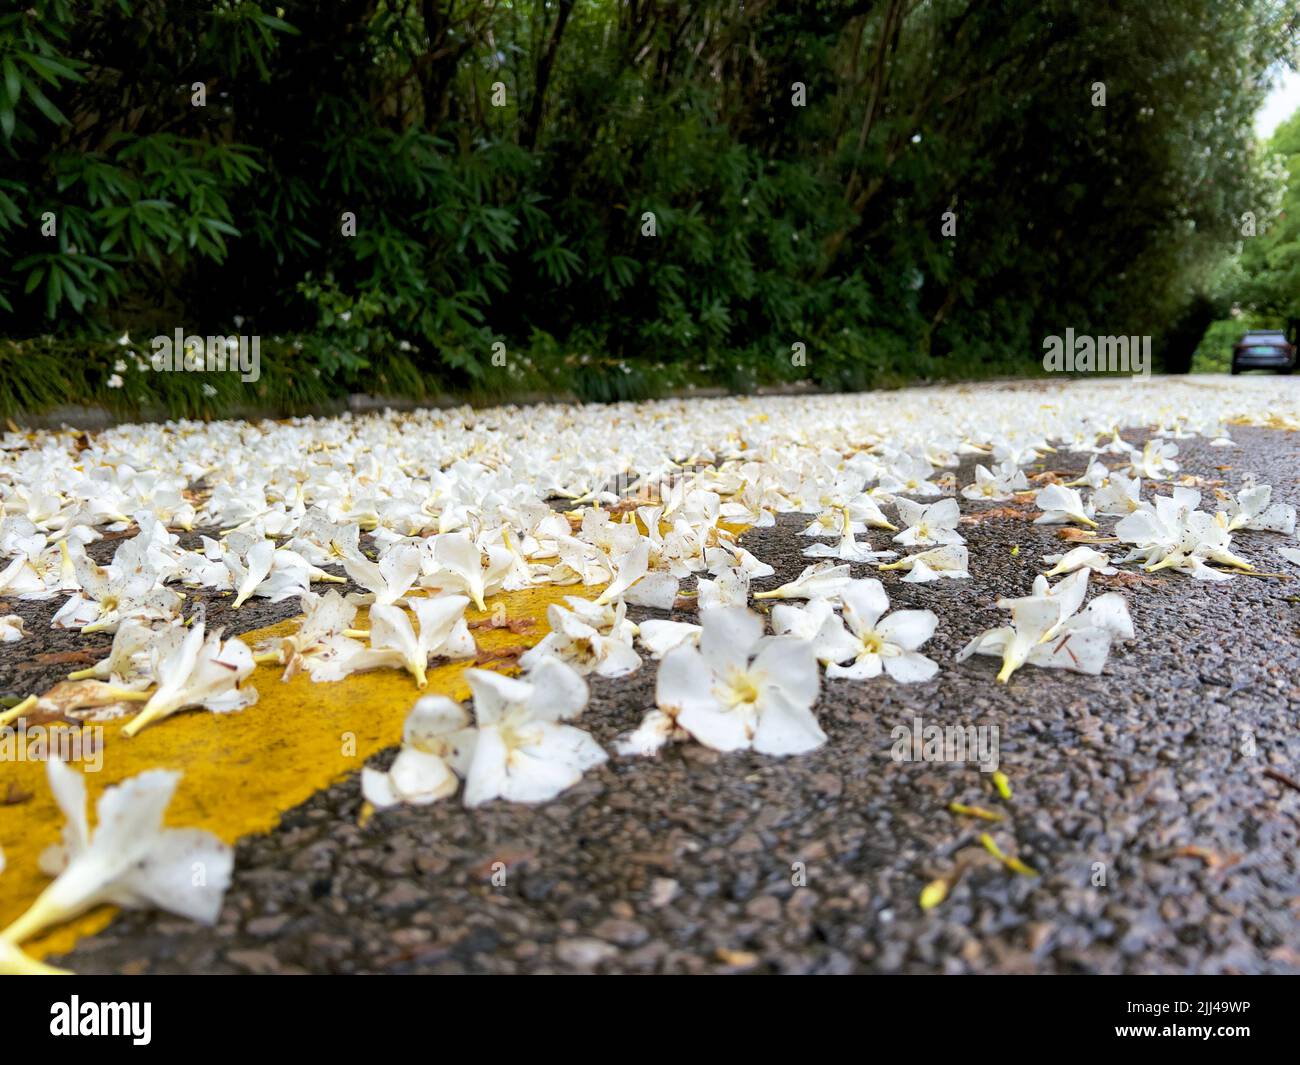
(732, 556)
(730, 588)
(37, 571)
(739, 690)
(520, 749)
(387, 580)
(633, 581)
(823, 580)
(951, 560)
(267, 573)
(202, 670)
(996, 487)
(129, 662)
(1156, 463)
(422, 772)
(660, 637)
(323, 617)
(909, 474)
(848, 547)
(443, 632)
(1171, 534)
(1157, 527)
(129, 860)
(461, 565)
(1094, 477)
(819, 625)
(1252, 509)
(107, 598)
(1119, 496)
(1205, 537)
(884, 643)
(590, 637)
(860, 510)
(649, 737)
(1080, 557)
(935, 523)
(1061, 505)
(11, 628)
(1047, 631)
(338, 655)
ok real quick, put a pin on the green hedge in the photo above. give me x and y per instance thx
(803, 162)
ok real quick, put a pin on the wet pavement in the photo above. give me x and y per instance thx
(1142, 797)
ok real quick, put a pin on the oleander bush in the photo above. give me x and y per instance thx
(612, 198)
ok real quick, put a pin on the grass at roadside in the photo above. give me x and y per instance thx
(305, 374)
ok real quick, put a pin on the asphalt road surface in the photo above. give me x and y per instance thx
(1156, 802)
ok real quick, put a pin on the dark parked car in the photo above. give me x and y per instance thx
(1263, 349)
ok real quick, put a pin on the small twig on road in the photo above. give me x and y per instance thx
(1282, 778)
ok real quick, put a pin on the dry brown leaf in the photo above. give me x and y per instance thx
(1084, 536)
(741, 959)
(1212, 859)
(51, 717)
(979, 517)
(62, 658)
(501, 654)
(122, 534)
(510, 857)
(515, 625)
(1123, 578)
(627, 506)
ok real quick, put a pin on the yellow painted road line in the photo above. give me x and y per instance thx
(243, 770)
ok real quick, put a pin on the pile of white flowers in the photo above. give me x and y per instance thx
(457, 508)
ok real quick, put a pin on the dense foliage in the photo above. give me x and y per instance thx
(1258, 286)
(504, 161)
(1270, 262)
